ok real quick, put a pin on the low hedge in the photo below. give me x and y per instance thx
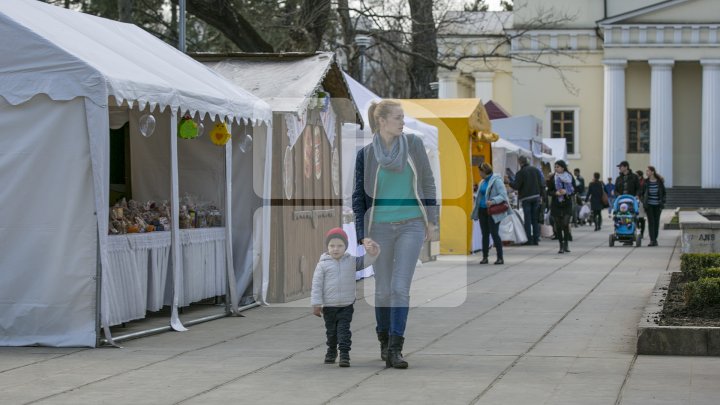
(692, 264)
(702, 293)
(712, 272)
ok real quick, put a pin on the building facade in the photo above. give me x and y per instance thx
(635, 80)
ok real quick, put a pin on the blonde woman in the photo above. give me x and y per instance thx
(394, 205)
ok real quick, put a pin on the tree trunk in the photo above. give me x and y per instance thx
(348, 36)
(423, 67)
(221, 14)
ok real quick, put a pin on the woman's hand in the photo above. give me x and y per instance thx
(489, 203)
(317, 311)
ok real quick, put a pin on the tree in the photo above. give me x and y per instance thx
(423, 48)
(477, 5)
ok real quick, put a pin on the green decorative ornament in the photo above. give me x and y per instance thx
(187, 129)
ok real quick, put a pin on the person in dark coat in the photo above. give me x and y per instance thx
(560, 187)
(653, 198)
(595, 191)
(627, 182)
(395, 207)
(530, 186)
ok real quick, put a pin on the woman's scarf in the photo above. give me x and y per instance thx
(393, 159)
(563, 181)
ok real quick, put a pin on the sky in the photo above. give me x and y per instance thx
(494, 4)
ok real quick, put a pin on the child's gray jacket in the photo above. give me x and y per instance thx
(333, 282)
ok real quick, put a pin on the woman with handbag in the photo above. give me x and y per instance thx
(560, 187)
(491, 207)
(598, 199)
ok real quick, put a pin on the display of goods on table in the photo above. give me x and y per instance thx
(138, 217)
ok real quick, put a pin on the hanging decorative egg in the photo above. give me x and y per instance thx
(220, 134)
(187, 128)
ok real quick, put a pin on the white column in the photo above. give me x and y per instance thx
(614, 144)
(661, 118)
(710, 174)
(484, 85)
(448, 84)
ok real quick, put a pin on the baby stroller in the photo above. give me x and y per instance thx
(625, 220)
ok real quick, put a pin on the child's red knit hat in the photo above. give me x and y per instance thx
(336, 233)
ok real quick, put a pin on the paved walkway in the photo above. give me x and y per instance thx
(542, 329)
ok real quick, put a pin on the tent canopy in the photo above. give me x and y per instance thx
(510, 147)
(558, 146)
(65, 54)
(287, 81)
(60, 73)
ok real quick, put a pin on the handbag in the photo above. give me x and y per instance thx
(605, 201)
(496, 209)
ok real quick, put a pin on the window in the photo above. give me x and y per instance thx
(638, 127)
(562, 125)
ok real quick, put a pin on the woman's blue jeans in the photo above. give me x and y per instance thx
(400, 245)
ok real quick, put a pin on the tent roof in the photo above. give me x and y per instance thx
(66, 54)
(286, 81)
(364, 97)
(495, 110)
(502, 143)
(470, 109)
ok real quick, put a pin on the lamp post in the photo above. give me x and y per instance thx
(181, 27)
(362, 42)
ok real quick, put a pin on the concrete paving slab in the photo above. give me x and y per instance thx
(543, 328)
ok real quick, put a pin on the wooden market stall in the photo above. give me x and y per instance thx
(310, 100)
(67, 268)
(464, 143)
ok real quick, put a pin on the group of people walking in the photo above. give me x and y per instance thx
(565, 194)
(395, 210)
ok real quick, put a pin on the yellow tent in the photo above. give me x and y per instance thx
(464, 136)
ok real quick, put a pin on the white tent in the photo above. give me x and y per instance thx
(526, 132)
(505, 156)
(66, 78)
(355, 138)
(558, 146)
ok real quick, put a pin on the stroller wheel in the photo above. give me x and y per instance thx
(612, 240)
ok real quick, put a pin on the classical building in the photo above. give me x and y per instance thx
(635, 80)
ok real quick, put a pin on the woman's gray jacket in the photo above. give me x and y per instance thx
(366, 170)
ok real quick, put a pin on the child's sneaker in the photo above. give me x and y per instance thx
(330, 356)
(344, 360)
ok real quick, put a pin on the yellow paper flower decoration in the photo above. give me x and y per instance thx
(220, 135)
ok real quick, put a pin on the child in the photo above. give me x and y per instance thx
(333, 292)
(623, 217)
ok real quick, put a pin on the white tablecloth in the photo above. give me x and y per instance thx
(204, 264)
(137, 274)
(140, 273)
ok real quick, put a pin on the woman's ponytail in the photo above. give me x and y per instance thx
(371, 117)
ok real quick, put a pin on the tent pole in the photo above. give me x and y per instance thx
(168, 328)
(98, 297)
